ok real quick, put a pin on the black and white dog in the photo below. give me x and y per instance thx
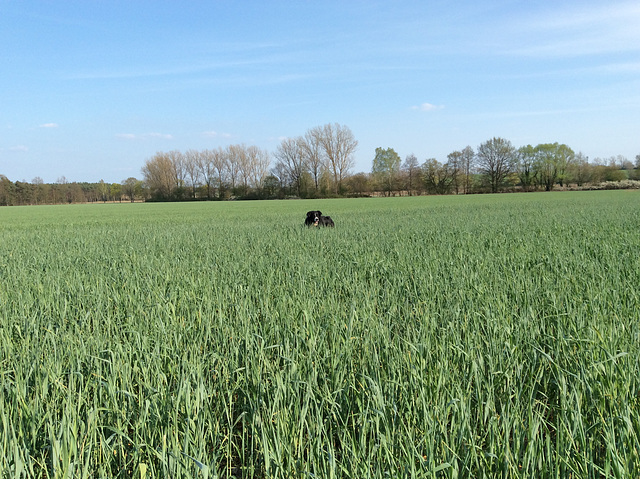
(315, 218)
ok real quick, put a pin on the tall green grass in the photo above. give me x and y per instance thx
(493, 336)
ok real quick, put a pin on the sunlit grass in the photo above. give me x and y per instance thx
(493, 336)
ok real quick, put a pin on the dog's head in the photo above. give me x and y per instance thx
(313, 217)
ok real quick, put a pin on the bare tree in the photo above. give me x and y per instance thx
(178, 164)
(207, 170)
(160, 175)
(338, 145)
(411, 170)
(220, 160)
(214, 169)
(41, 189)
(192, 169)
(258, 161)
(314, 157)
(280, 173)
(455, 166)
(496, 158)
(468, 158)
(460, 164)
(291, 159)
(233, 155)
(243, 163)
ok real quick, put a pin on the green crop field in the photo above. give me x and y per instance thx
(476, 336)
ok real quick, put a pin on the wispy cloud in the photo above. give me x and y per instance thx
(258, 54)
(215, 134)
(621, 14)
(144, 136)
(49, 125)
(427, 107)
(272, 139)
(160, 135)
(579, 31)
(19, 148)
(126, 136)
(627, 67)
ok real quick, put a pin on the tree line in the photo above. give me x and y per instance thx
(37, 192)
(315, 164)
(319, 163)
(497, 166)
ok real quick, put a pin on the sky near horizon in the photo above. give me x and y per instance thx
(91, 89)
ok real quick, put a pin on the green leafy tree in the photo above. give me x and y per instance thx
(103, 191)
(525, 167)
(116, 191)
(552, 164)
(358, 184)
(564, 157)
(7, 191)
(131, 188)
(613, 173)
(581, 170)
(271, 187)
(386, 169)
(438, 178)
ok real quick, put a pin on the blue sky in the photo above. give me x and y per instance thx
(91, 89)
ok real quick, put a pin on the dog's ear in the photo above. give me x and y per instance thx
(319, 213)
